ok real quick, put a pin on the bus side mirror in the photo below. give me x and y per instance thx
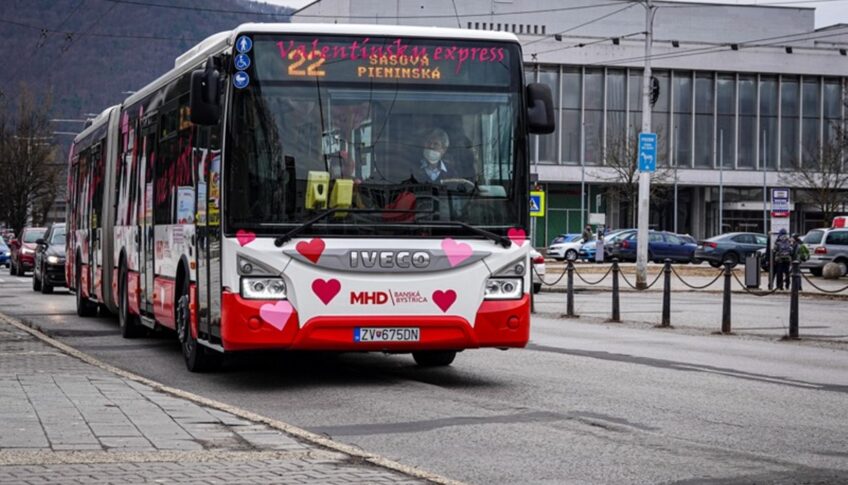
(205, 95)
(540, 109)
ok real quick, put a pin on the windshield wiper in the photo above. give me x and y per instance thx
(502, 240)
(323, 215)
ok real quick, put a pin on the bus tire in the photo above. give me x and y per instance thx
(85, 308)
(197, 357)
(128, 322)
(434, 358)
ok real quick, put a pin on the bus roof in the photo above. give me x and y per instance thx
(222, 40)
(96, 123)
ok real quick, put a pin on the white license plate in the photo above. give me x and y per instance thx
(389, 334)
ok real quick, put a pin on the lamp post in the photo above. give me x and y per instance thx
(644, 176)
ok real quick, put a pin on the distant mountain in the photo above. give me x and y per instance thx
(89, 53)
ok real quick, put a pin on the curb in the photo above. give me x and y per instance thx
(289, 429)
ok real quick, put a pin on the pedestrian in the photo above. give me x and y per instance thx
(587, 234)
(599, 248)
(782, 259)
(800, 252)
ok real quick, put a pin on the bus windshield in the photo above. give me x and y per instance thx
(423, 136)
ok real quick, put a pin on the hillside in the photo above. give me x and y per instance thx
(88, 53)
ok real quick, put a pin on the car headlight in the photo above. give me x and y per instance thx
(27, 251)
(504, 289)
(263, 288)
(54, 259)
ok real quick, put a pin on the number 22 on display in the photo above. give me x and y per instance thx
(298, 58)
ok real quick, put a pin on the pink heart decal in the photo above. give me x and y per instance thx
(456, 252)
(444, 299)
(517, 236)
(311, 250)
(245, 237)
(276, 314)
(326, 290)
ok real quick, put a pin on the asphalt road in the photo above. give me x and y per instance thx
(585, 403)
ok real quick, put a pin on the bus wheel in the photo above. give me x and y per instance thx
(128, 322)
(434, 358)
(197, 357)
(85, 308)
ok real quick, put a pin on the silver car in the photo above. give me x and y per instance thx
(826, 246)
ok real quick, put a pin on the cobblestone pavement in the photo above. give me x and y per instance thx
(66, 421)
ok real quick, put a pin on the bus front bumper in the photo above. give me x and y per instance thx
(501, 324)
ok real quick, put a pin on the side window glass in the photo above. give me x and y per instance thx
(655, 238)
(761, 240)
(672, 239)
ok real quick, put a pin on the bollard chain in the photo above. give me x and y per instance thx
(830, 292)
(751, 292)
(694, 287)
(596, 282)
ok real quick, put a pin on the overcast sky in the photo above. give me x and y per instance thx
(827, 12)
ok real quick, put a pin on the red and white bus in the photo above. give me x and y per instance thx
(318, 187)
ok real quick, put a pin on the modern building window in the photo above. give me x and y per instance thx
(548, 143)
(747, 121)
(660, 116)
(594, 116)
(832, 110)
(811, 107)
(617, 140)
(704, 120)
(790, 126)
(726, 136)
(682, 118)
(570, 128)
(768, 122)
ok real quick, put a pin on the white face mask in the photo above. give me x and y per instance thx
(431, 155)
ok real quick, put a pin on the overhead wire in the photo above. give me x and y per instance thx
(589, 22)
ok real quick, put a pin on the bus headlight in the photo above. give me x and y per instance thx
(504, 289)
(263, 288)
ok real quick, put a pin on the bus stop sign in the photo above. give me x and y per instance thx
(647, 152)
(537, 203)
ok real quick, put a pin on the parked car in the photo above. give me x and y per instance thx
(565, 246)
(23, 250)
(826, 245)
(49, 269)
(4, 253)
(733, 247)
(588, 250)
(538, 262)
(661, 246)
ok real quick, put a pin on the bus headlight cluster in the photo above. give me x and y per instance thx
(263, 288)
(504, 289)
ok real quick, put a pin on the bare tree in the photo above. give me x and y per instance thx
(622, 159)
(27, 153)
(824, 186)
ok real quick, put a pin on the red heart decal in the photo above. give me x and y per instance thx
(326, 290)
(444, 299)
(245, 237)
(517, 236)
(311, 250)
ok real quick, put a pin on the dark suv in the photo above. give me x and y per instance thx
(49, 269)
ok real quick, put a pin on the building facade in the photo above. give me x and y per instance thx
(745, 99)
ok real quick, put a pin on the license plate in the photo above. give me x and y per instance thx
(390, 334)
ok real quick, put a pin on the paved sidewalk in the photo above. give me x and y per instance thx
(66, 421)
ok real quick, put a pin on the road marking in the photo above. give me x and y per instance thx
(292, 430)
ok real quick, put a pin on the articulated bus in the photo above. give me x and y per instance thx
(315, 187)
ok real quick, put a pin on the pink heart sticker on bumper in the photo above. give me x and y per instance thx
(276, 314)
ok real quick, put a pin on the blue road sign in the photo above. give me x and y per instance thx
(242, 62)
(647, 152)
(244, 44)
(241, 79)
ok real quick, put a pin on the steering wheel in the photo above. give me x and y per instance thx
(461, 184)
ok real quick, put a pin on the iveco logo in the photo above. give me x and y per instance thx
(389, 259)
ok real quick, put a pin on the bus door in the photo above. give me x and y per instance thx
(95, 251)
(146, 257)
(209, 234)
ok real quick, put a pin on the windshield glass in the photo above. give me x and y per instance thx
(425, 128)
(58, 236)
(32, 235)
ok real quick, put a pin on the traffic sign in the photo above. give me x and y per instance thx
(242, 62)
(647, 152)
(244, 44)
(537, 203)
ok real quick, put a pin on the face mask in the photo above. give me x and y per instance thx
(432, 156)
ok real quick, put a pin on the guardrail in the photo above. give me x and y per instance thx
(666, 274)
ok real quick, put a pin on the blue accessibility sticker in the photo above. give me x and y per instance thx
(244, 44)
(241, 79)
(242, 62)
